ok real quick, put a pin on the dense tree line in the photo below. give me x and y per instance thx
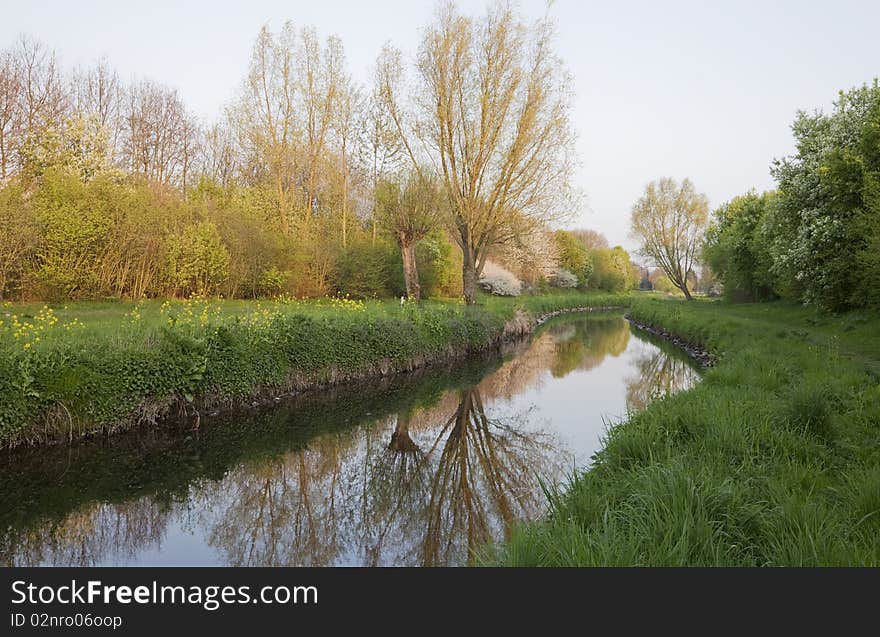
(816, 237)
(308, 185)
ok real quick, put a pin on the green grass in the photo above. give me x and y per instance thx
(81, 368)
(774, 459)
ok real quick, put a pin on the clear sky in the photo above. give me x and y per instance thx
(706, 90)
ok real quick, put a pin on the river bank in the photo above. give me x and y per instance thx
(772, 460)
(67, 373)
(424, 468)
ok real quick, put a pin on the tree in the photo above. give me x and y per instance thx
(43, 100)
(320, 88)
(380, 143)
(97, 92)
(736, 249)
(32, 100)
(670, 220)
(573, 255)
(492, 111)
(160, 135)
(409, 212)
(591, 238)
(264, 116)
(18, 234)
(612, 270)
(824, 227)
(10, 116)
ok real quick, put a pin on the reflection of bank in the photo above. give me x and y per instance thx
(660, 371)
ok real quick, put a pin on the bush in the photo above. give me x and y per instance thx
(564, 279)
(496, 280)
(611, 270)
(197, 260)
(574, 257)
(367, 270)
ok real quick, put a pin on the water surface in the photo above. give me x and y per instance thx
(422, 469)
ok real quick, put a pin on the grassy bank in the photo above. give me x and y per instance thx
(78, 369)
(774, 459)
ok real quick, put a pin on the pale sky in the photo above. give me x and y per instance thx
(666, 88)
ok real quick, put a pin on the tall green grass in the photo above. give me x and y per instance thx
(774, 459)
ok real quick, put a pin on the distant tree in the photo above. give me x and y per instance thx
(591, 238)
(493, 105)
(736, 248)
(160, 135)
(409, 211)
(612, 270)
(97, 93)
(10, 115)
(669, 221)
(32, 100)
(264, 117)
(573, 255)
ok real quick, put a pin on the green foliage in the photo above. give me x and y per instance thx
(439, 271)
(18, 235)
(367, 270)
(198, 262)
(612, 270)
(74, 220)
(738, 252)
(817, 239)
(573, 256)
(770, 460)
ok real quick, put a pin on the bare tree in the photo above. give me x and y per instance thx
(493, 117)
(98, 92)
(219, 155)
(32, 100)
(160, 135)
(43, 99)
(321, 73)
(264, 116)
(380, 143)
(10, 114)
(670, 220)
(348, 106)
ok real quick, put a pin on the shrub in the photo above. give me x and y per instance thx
(367, 270)
(496, 280)
(197, 260)
(564, 279)
(573, 256)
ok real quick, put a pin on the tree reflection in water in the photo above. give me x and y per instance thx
(427, 481)
(658, 373)
(484, 481)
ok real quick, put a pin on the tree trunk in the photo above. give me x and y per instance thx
(469, 277)
(410, 273)
(400, 438)
(687, 294)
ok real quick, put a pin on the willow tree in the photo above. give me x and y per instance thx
(409, 211)
(490, 110)
(669, 221)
